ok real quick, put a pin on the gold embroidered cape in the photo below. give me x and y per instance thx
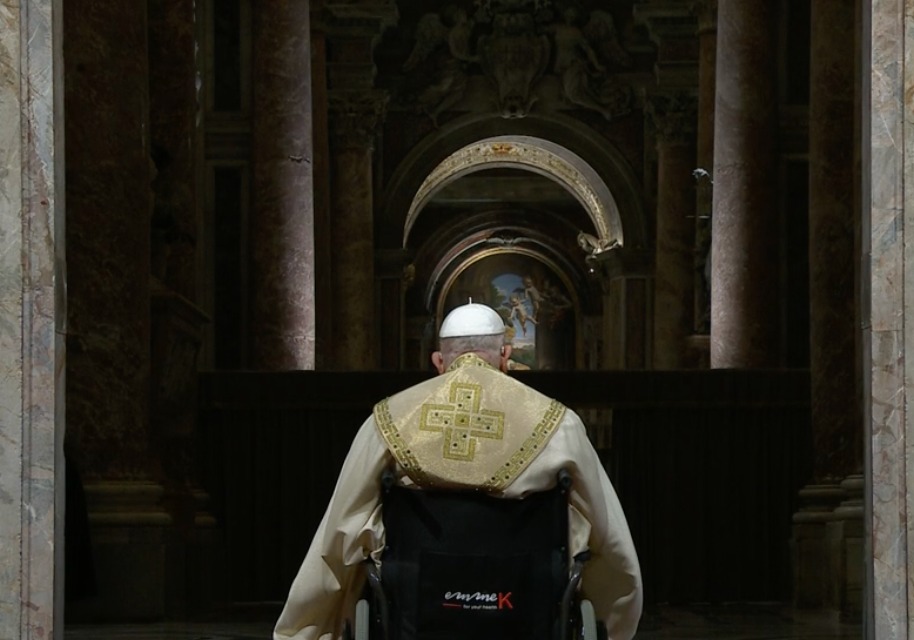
(473, 426)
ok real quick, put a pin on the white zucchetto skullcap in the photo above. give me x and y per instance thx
(472, 320)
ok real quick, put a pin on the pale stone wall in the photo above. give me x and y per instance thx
(888, 276)
(31, 353)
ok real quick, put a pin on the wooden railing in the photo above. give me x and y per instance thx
(707, 465)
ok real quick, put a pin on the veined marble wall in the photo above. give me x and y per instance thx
(31, 347)
(888, 268)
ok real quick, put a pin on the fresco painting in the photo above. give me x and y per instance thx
(537, 309)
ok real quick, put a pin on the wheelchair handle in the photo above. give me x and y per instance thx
(564, 479)
(388, 479)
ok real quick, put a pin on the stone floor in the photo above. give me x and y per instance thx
(726, 622)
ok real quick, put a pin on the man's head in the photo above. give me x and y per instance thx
(472, 328)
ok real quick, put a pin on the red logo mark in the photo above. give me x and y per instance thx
(504, 601)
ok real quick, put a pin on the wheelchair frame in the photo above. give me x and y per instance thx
(576, 617)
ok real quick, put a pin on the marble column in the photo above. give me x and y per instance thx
(354, 120)
(674, 122)
(109, 210)
(706, 12)
(282, 228)
(835, 403)
(888, 288)
(32, 316)
(744, 249)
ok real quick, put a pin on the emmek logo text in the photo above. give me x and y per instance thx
(477, 601)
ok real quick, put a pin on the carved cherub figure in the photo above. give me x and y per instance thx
(580, 62)
(594, 245)
(446, 39)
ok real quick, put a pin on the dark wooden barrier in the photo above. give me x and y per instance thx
(707, 465)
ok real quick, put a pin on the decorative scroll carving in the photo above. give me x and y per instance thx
(514, 56)
(510, 42)
(674, 117)
(355, 117)
(706, 12)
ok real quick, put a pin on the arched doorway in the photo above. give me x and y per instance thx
(515, 207)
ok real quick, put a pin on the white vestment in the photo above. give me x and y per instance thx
(329, 580)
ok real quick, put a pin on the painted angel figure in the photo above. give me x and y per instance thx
(518, 312)
(532, 295)
(446, 39)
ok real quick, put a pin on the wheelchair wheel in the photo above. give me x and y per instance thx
(588, 621)
(362, 621)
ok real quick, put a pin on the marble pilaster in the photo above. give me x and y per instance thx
(813, 573)
(32, 302)
(706, 11)
(836, 415)
(846, 551)
(626, 279)
(173, 121)
(744, 250)
(109, 211)
(282, 229)
(888, 213)
(109, 204)
(674, 123)
(323, 249)
(176, 320)
(354, 120)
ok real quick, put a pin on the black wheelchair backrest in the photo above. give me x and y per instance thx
(467, 565)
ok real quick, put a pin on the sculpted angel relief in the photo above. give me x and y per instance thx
(514, 44)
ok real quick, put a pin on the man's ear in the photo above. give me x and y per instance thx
(505, 356)
(438, 361)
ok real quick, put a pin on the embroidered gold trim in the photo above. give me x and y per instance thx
(469, 360)
(395, 443)
(528, 450)
(462, 422)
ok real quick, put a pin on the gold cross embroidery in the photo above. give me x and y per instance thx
(462, 422)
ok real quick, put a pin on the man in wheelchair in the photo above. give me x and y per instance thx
(475, 506)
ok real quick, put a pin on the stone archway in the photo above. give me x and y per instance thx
(581, 151)
(534, 154)
(595, 182)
